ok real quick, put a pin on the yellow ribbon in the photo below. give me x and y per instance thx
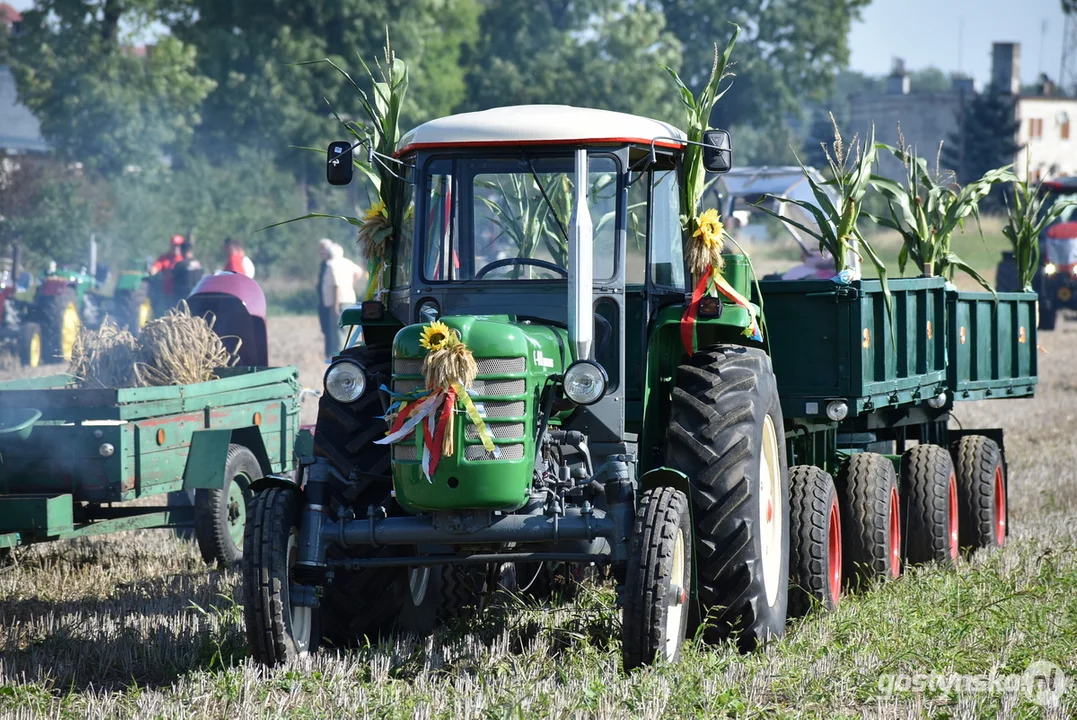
(476, 418)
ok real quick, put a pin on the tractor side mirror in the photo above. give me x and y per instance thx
(338, 163)
(717, 151)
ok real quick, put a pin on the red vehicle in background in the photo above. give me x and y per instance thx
(1056, 280)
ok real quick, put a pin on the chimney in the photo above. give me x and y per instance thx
(962, 85)
(898, 81)
(1006, 68)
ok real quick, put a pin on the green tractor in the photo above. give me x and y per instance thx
(539, 391)
(587, 437)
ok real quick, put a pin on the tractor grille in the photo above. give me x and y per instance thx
(501, 416)
(500, 431)
(508, 452)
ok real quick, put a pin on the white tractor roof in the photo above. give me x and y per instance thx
(538, 125)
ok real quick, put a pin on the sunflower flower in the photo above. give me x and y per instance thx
(436, 336)
(710, 229)
(377, 210)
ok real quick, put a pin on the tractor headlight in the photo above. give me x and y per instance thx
(345, 381)
(585, 382)
(1050, 269)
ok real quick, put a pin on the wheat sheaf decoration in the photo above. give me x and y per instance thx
(449, 371)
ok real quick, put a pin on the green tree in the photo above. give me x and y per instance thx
(986, 137)
(788, 53)
(99, 101)
(594, 53)
(249, 47)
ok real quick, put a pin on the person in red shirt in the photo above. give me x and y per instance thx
(235, 258)
(164, 265)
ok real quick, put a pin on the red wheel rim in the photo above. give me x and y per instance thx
(1000, 508)
(833, 553)
(895, 535)
(954, 548)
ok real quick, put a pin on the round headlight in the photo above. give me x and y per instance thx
(345, 381)
(837, 410)
(585, 382)
(1050, 269)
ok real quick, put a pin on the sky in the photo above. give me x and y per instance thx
(949, 34)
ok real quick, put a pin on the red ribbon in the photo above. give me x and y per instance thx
(688, 320)
(434, 442)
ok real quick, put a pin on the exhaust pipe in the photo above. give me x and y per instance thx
(581, 260)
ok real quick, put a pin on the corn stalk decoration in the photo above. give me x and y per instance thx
(1025, 222)
(382, 108)
(704, 233)
(928, 209)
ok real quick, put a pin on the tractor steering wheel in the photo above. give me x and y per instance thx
(505, 262)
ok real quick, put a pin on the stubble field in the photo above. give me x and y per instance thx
(134, 625)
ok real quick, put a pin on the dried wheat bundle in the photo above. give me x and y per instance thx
(104, 358)
(180, 348)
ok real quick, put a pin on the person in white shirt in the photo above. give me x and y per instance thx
(337, 279)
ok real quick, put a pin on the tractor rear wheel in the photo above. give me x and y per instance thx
(30, 344)
(871, 518)
(60, 322)
(726, 434)
(659, 579)
(220, 515)
(929, 505)
(277, 630)
(133, 308)
(815, 532)
(981, 492)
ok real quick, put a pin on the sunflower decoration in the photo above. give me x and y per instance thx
(375, 231)
(707, 243)
(449, 370)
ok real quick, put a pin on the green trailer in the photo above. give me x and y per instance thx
(72, 460)
(619, 414)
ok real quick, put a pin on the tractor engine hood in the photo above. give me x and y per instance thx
(515, 359)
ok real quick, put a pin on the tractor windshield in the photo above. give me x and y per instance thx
(509, 219)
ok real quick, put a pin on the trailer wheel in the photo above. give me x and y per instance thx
(30, 344)
(981, 492)
(658, 583)
(929, 505)
(61, 324)
(815, 534)
(871, 518)
(277, 630)
(724, 434)
(220, 515)
(133, 308)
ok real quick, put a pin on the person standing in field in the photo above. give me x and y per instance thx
(235, 258)
(163, 288)
(336, 290)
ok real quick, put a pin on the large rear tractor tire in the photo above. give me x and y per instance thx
(981, 492)
(870, 519)
(726, 434)
(133, 308)
(220, 515)
(659, 579)
(277, 631)
(60, 323)
(31, 345)
(815, 533)
(929, 505)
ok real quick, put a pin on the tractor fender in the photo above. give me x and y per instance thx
(53, 286)
(278, 481)
(666, 477)
(209, 453)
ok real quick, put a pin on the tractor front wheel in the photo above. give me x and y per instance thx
(659, 579)
(277, 630)
(815, 532)
(220, 515)
(133, 308)
(61, 324)
(727, 435)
